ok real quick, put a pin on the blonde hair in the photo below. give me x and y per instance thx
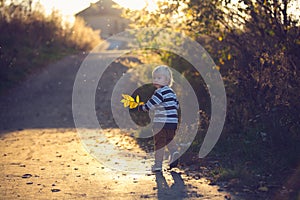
(166, 71)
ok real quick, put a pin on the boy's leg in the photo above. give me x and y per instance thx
(159, 145)
(173, 148)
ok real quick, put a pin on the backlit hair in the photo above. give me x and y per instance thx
(164, 70)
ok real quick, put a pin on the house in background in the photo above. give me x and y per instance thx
(104, 15)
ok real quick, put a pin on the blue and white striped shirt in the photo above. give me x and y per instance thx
(165, 105)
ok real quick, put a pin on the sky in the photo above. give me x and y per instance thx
(71, 7)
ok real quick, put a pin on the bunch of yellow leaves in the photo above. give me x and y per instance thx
(130, 102)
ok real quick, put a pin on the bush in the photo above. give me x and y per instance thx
(29, 39)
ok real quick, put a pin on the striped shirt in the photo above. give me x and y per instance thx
(165, 105)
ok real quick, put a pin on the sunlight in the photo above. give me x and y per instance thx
(74, 6)
(69, 8)
(132, 4)
(293, 8)
(150, 5)
(66, 7)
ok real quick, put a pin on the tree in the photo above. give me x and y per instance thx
(257, 47)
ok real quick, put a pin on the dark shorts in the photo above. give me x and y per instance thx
(163, 137)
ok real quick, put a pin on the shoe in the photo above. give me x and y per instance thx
(174, 160)
(156, 168)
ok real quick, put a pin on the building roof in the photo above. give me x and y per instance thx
(102, 7)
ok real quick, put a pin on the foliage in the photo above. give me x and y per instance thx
(265, 77)
(29, 39)
(256, 46)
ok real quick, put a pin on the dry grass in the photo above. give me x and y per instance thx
(29, 39)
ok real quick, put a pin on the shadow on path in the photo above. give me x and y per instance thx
(176, 191)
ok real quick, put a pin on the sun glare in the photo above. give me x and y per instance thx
(71, 7)
(150, 5)
(68, 8)
(132, 4)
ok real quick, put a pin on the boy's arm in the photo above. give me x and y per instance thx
(150, 104)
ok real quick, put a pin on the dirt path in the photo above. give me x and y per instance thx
(41, 155)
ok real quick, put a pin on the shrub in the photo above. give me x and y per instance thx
(29, 39)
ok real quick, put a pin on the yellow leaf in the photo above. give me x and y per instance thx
(229, 56)
(133, 105)
(263, 189)
(221, 61)
(129, 101)
(127, 97)
(124, 96)
(217, 67)
(220, 38)
(126, 103)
